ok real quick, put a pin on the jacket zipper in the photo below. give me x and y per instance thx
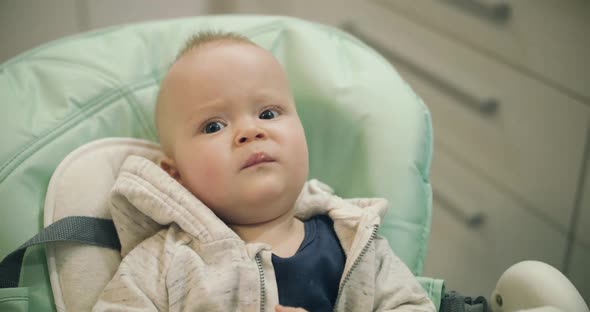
(356, 262)
(262, 288)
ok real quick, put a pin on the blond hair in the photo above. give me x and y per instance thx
(205, 37)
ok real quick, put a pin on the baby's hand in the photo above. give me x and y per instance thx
(280, 308)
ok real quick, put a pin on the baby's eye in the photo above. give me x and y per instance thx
(213, 126)
(269, 114)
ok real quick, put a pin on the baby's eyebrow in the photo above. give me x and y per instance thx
(263, 95)
(200, 112)
(212, 105)
(207, 108)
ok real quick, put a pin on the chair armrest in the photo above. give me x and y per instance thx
(534, 284)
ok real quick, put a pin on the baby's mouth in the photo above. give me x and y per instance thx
(257, 158)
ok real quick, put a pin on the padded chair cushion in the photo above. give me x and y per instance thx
(80, 186)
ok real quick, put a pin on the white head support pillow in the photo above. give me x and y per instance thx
(80, 186)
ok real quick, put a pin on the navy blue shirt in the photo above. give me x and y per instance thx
(310, 278)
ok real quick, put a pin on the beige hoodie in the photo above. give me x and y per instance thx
(179, 256)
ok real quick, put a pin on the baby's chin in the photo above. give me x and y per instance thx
(268, 198)
(260, 190)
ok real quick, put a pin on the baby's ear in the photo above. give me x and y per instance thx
(169, 165)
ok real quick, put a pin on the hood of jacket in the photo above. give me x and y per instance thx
(145, 199)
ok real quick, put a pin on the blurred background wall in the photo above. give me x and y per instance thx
(508, 85)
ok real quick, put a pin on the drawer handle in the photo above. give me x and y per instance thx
(487, 106)
(471, 220)
(497, 12)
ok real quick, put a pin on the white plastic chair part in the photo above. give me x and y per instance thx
(535, 286)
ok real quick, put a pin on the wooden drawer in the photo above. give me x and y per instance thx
(547, 39)
(29, 23)
(583, 215)
(530, 147)
(579, 271)
(113, 12)
(471, 258)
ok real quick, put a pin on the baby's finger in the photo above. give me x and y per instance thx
(280, 308)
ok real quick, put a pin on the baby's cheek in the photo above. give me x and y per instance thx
(298, 147)
(211, 168)
(203, 183)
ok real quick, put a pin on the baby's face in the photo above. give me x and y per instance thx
(235, 137)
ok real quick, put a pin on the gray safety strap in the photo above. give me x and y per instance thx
(455, 302)
(87, 230)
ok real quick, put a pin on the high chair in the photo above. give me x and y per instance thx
(368, 134)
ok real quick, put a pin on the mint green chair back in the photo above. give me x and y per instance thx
(368, 133)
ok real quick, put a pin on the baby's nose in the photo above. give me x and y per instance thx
(250, 134)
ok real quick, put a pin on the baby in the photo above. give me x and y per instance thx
(230, 223)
